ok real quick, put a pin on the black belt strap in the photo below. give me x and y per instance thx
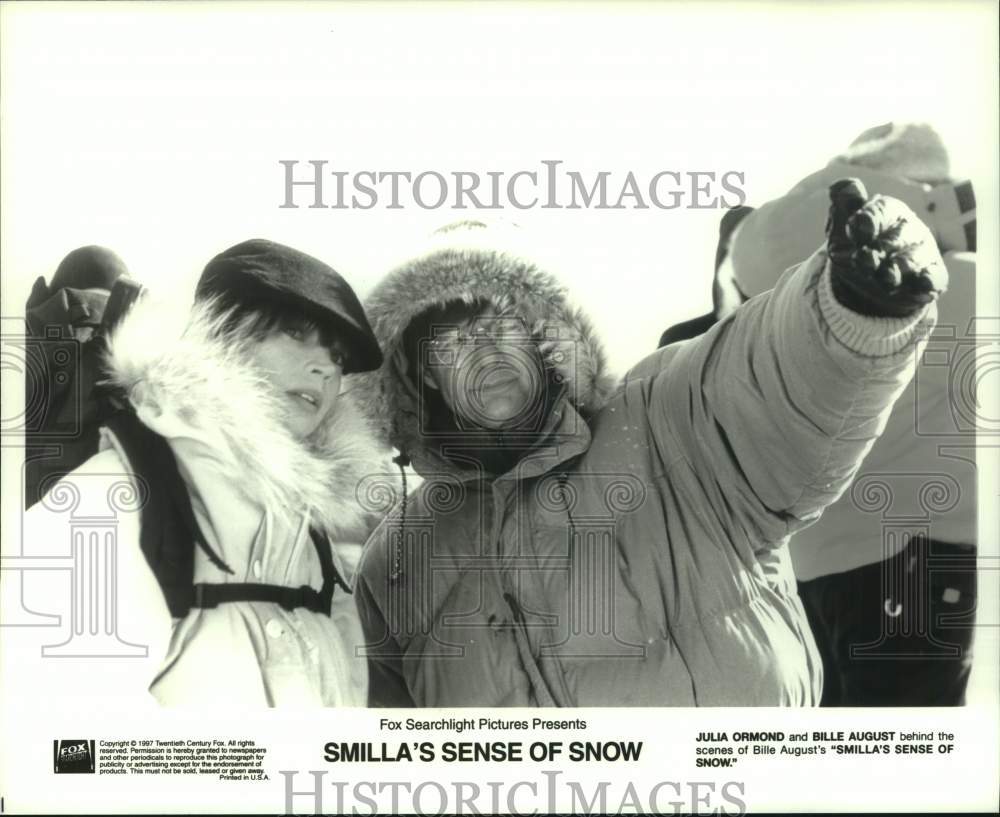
(207, 596)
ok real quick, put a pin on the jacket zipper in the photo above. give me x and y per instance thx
(524, 648)
(542, 691)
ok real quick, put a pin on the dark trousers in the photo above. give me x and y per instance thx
(898, 632)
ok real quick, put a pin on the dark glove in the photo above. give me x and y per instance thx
(884, 261)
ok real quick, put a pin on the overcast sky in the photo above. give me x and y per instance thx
(157, 129)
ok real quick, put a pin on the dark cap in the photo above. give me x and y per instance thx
(260, 268)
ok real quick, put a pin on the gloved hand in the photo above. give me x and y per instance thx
(884, 261)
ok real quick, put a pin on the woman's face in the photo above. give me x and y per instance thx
(304, 374)
(487, 369)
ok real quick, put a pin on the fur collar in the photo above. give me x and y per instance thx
(464, 264)
(170, 362)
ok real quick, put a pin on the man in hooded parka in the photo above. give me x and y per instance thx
(580, 543)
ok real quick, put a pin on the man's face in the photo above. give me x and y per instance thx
(303, 373)
(487, 369)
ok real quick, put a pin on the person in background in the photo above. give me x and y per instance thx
(726, 294)
(887, 575)
(62, 362)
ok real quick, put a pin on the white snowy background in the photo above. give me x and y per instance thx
(156, 129)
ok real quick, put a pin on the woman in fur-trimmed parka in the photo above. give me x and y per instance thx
(626, 545)
(245, 393)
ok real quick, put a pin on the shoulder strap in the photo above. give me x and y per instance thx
(331, 576)
(169, 530)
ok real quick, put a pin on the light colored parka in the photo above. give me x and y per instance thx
(255, 491)
(637, 555)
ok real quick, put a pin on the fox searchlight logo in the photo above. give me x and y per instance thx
(73, 756)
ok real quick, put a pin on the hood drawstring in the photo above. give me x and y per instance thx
(564, 494)
(403, 460)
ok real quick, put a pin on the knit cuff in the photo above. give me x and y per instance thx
(870, 336)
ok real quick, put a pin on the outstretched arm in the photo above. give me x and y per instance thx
(775, 407)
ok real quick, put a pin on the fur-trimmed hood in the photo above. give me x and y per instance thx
(464, 262)
(178, 365)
